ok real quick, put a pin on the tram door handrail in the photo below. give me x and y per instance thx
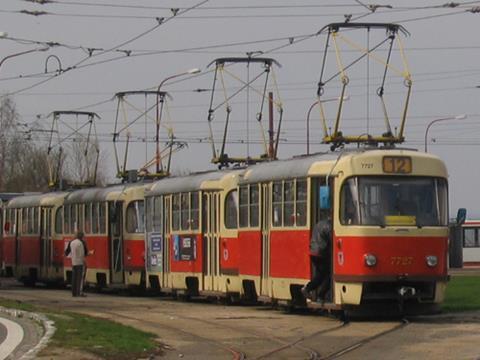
(265, 229)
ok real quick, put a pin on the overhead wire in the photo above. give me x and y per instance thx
(285, 45)
(126, 42)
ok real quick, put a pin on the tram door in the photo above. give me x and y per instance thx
(45, 240)
(167, 279)
(211, 240)
(21, 220)
(115, 235)
(265, 227)
(155, 238)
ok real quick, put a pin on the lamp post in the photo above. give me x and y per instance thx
(345, 98)
(458, 117)
(157, 137)
(22, 53)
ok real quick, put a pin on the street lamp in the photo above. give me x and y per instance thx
(22, 53)
(458, 117)
(157, 137)
(345, 98)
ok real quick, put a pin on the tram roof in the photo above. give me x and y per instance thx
(99, 193)
(187, 183)
(9, 196)
(45, 199)
(324, 163)
(285, 169)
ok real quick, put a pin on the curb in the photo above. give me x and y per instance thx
(48, 326)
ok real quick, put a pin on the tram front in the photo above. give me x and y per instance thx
(390, 228)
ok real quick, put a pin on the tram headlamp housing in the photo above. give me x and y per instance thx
(370, 260)
(432, 260)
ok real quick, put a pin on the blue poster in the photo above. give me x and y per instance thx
(176, 247)
(156, 240)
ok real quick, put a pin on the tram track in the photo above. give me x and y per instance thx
(348, 349)
(281, 344)
(234, 352)
(314, 355)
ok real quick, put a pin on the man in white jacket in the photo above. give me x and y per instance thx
(77, 249)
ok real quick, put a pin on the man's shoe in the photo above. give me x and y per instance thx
(83, 295)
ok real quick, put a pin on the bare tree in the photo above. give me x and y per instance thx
(84, 163)
(8, 124)
(22, 162)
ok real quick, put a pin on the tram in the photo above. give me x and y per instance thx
(191, 234)
(111, 219)
(32, 248)
(387, 207)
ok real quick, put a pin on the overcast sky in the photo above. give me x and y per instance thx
(442, 54)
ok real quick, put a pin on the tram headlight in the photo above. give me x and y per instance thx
(370, 259)
(432, 260)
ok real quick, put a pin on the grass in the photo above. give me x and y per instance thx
(463, 294)
(104, 338)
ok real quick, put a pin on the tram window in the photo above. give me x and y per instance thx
(231, 204)
(9, 221)
(348, 209)
(80, 214)
(254, 221)
(149, 214)
(141, 216)
(132, 219)
(373, 200)
(176, 212)
(59, 220)
(157, 213)
(167, 214)
(277, 204)
(184, 213)
(102, 217)
(74, 222)
(88, 218)
(470, 238)
(95, 218)
(289, 203)
(243, 206)
(6, 224)
(301, 203)
(65, 218)
(35, 220)
(194, 210)
(135, 217)
(29, 221)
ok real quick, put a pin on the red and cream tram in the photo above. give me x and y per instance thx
(32, 248)
(191, 234)
(388, 210)
(112, 221)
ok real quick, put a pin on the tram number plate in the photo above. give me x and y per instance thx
(401, 260)
(397, 164)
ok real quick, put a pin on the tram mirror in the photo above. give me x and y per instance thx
(324, 197)
(461, 216)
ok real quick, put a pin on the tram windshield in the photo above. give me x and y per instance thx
(384, 201)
